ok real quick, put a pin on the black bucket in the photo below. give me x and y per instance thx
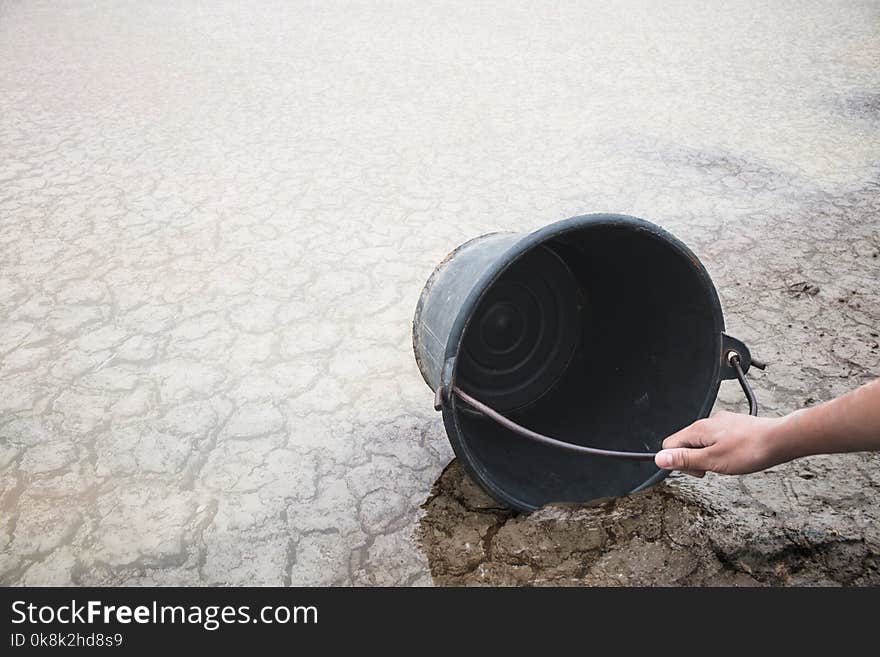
(603, 331)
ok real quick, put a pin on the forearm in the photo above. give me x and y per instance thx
(850, 423)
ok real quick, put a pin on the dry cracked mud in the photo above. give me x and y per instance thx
(671, 535)
(215, 223)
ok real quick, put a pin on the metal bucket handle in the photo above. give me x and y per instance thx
(736, 360)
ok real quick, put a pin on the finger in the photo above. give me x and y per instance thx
(682, 458)
(690, 436)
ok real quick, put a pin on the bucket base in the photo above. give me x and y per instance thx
(524, 332)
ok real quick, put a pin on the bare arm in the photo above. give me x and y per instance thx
(738, 444)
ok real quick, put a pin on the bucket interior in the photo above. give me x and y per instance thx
(607, 336)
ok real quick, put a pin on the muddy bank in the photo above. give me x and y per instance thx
(779, 528)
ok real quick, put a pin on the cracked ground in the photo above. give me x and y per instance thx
(216, 219)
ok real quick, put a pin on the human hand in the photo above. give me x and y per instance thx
(729, 443)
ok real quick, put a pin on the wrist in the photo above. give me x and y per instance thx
(786, 439)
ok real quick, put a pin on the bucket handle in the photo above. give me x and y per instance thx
(732, 359)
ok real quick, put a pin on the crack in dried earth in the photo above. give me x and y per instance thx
(671, 535)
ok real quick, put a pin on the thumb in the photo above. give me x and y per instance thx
(682, 458)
